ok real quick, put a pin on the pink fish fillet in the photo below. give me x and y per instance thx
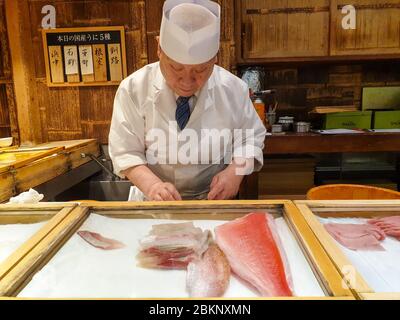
(357, 236)
(98, 241)
(209, 275)
(172, 246)
(252, 247)
(389, 225)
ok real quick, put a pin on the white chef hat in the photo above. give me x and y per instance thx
(190, 30)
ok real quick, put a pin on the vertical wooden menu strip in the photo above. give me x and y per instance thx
(86, 63)
(56, 64)
(71, 63)
(99, 62)
(115, 61)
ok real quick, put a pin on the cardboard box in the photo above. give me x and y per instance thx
(387, 120)
(348, 120)
(378, 98)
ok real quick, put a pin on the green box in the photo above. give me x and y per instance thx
(387, 120)
(348, 120)
(378, 98)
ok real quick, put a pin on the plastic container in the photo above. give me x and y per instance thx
(260, 108)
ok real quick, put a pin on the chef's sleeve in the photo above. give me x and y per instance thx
(249, 139)
(126, 138)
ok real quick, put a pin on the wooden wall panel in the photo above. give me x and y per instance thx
(377, 30)
(153, 21)
(8, 115)
(84, 112)
(285, 28)
(5, 130)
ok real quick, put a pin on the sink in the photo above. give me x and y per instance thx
(101, 186)
(109, 190)
(100, 190)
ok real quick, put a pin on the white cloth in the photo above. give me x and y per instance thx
(144, 102)
(190, 30)
(31, 196)
(136, 195)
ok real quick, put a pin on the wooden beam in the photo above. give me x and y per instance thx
(23, 70)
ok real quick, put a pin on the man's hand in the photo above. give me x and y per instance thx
(225, 185)
(153, 187)
(163, 191)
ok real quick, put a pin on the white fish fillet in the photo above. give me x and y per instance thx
(208, 277)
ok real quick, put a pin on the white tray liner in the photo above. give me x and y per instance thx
(79, 270)
(12, 236)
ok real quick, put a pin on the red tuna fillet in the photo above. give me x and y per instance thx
(251, 246)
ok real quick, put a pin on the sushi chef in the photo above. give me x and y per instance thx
(183, 127)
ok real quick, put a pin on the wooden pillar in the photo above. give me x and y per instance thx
(23, 70)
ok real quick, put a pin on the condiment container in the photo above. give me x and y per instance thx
(287, 123)
(260, 108)
(276, 128)
(302, 127)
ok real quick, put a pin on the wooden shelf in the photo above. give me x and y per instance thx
(293, 143)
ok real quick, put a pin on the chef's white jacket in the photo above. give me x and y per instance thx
(144, 108)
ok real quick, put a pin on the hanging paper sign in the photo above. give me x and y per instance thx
(88, 56)
(71, 60)
(86, 59)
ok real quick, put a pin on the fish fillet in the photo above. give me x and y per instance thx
(252, 247)
(172, 246)
(357, 236)
(209, 275)
(98, 241)
(389, 225)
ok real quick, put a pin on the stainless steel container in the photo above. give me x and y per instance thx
(276, 128)
(302, 127)
(287, 123)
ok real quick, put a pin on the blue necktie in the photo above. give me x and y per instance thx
(182, 113)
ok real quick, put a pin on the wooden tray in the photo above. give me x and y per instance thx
(325, 272)
(37, 168)
(14, 160)
(310, 210)
(54, 213)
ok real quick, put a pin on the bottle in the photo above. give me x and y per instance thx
(260, 108)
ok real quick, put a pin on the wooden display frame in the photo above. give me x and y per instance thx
(347, 208)
(325, 272)
(79, 78)
(53, 213)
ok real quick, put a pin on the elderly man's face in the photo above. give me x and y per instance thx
(185, 80)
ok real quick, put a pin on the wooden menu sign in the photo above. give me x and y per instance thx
(93, 56)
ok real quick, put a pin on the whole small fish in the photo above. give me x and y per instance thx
(98, 241)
